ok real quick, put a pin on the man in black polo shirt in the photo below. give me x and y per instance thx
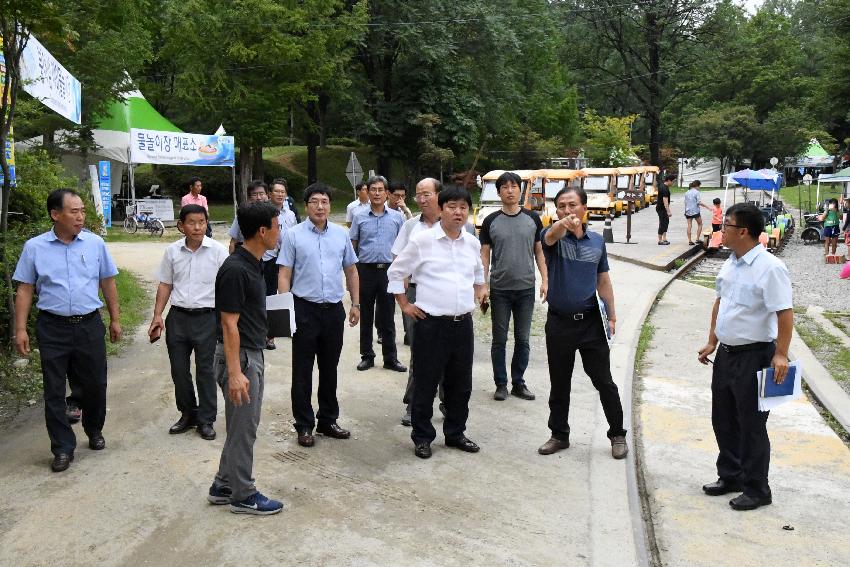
(577, 266)
(240, 309)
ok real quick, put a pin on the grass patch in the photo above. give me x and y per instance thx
(791, 198)
(840, 320)
(830, 420)
(678, 263)
(134, 300)
(647, 333)
(829, 351)
(21, 385)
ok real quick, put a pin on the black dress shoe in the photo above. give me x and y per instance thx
(744, 502)
(501, 393)
(522, 391)
(721, 487)
(366, 363)
(306, 439)
(422, 450)
(395, 365)
(97, 442)
(186, 422)
(206, 431)
(61, 462)
(463, 444)
(333, 430)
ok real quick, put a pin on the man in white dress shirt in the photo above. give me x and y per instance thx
(751, 322)
(187, 276)
(445, 262)
(361, 203)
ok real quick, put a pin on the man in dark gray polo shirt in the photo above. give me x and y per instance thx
(577, 264)
(510, 246)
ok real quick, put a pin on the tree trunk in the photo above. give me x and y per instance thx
(324, 101)
(312, 142)
(245, 171)
(654, 110)
(259, 168)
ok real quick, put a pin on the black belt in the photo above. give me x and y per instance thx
(454, 318)
(574, 316)
(193, 310)
(741, 348)
(411, 284)
(73, 319)
(381, 266)
(317, 304)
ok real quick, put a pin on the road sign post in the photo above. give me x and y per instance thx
(353, 171)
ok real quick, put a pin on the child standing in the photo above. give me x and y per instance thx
(831, 219)
(716, 216)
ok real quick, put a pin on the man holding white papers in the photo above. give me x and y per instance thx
(751, 322)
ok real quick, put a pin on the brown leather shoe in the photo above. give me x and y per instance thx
(333, 430)
(619, 449)
(553, 445)
(306, 439)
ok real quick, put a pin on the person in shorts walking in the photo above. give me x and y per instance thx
(692, 206)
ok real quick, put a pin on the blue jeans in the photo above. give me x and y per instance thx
(503, 303)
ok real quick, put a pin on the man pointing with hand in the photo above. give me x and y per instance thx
(752, 321)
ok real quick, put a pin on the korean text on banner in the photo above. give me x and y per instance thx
(46, 79)
(151, 146)
(104, 170)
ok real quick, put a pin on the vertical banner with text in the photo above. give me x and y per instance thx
(10, 144)
(104, 174)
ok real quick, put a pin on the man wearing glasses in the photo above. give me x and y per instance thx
(752, 321)
(372, 234)
(312, 259)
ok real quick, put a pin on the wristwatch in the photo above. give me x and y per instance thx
(355, 305)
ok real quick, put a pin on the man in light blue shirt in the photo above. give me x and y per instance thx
(372, 233)
(66, 266)
(312, 260)
(751, 326)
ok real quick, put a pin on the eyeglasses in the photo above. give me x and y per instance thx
(317, 203)
(423, 196)
(377, 190)
(728, 224)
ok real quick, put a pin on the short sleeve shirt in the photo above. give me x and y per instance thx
(66, 276)
(240, 288)
(375, 234)
(512, 239)
(692, 198)
(663, 192)
(573, 266)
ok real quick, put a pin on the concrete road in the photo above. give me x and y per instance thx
(364, 501)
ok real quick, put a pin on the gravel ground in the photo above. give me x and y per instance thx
(814, 281)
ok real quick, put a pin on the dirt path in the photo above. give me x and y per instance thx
(366, 501)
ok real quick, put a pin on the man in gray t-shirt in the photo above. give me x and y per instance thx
(510, 247)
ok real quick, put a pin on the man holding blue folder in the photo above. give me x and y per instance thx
(751, 323)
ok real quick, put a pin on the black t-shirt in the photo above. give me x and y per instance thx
(240, 288)
(663, 191)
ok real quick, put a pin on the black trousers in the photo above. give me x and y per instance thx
(186, 333)
(318, 338)
(408, 390)
(81, 346)
(376, 307)
(270, 268)
(565, 336)
(443, 350)
(663, 221)
(740, 429)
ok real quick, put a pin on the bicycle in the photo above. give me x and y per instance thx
(147, 222)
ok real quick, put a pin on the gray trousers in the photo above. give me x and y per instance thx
(237, 455)
(184, 333)
(408, 391)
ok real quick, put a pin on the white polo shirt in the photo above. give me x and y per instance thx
(445, 271)
(751, 290)
(192, 274)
